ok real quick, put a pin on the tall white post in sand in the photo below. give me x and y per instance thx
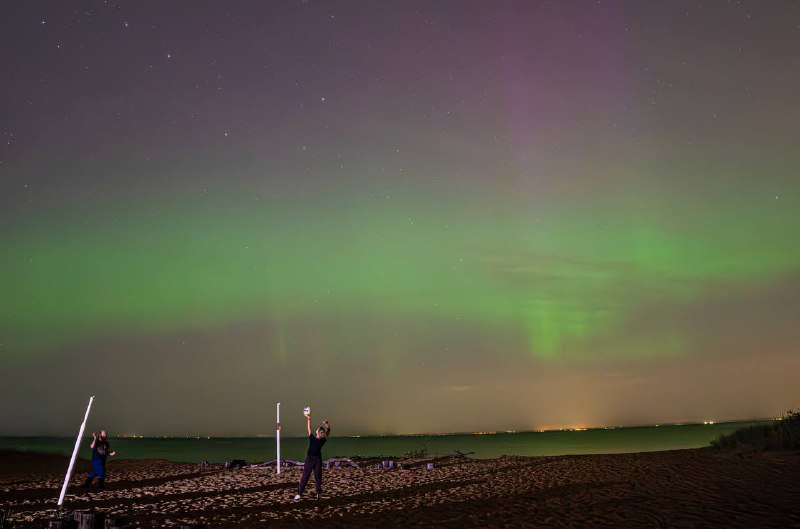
(75, 453)
(278, 437)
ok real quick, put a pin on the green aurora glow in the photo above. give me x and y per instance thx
(563, 275)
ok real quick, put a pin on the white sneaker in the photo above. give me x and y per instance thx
(298, 497)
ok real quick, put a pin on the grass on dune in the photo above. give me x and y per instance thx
(782, 434)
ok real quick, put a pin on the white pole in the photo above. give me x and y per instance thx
(75, 453)
(278, 438)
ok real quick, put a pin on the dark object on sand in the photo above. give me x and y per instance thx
(284, 463)
(203, 465)
(89, 519)
(430, 466)
(116, 523)
(235, 464)
(5, 514)
(337, 462)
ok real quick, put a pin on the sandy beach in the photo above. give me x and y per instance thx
(681, 488)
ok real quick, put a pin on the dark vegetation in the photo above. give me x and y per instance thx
(422, 453)
(783, 434)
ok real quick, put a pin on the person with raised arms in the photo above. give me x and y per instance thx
(313, 462)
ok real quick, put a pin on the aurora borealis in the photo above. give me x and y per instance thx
(447, 216)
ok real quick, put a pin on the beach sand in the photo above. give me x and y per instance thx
(680, 488)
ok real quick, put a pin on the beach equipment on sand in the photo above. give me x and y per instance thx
(430, 466)
(75, 453)
(337, 462)
(334, 462)
(89, 519)
(116, 523)
(235, 464)
(278, 438)
(284, 462)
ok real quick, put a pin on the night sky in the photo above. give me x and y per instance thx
(413, 216)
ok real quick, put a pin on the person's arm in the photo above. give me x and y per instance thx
(94, 440)
(308, 423)
(327, 428)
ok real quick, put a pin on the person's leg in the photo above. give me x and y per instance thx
(318, 474)
(89, 478)
(307, 468)
(99, 470)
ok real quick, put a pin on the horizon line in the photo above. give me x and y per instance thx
(433, 434)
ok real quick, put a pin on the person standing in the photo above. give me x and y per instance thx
(101, 449)
(313, 462)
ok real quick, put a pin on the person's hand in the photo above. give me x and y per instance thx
(325, 423)
(112, 454)
(94, 435)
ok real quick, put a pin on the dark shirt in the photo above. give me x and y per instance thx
(100, 450)
(315, 445)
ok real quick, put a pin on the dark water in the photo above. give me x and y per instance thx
(639, 439)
